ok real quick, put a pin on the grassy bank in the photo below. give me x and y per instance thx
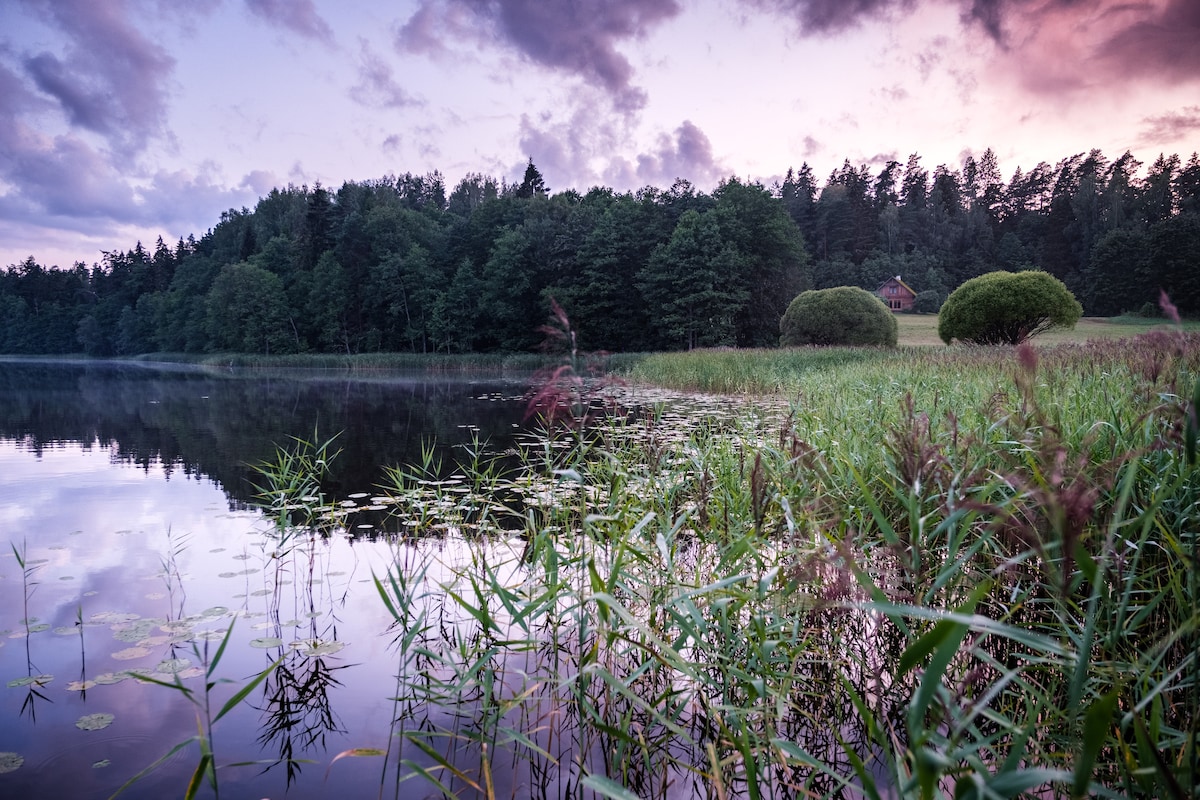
(933, 572)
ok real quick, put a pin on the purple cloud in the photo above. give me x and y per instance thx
(687, 153)
(376, 84)
(297, 16)
(1174, 126)
(577, 38)
(110, 79)
(1055, 45)
(831, 16)
(1164, 44)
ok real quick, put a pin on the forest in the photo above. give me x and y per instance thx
(400, 264)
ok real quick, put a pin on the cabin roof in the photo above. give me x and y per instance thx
(896, 279)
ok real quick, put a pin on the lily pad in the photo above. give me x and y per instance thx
(130, 653)
(29, 680)
(173, 665)
(80, 686)
(102, 763)
(266, 642)
(108, 678)
(10, 762)
(113, 617)
(94, 722)
(315, 648)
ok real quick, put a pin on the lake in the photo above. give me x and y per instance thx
(132, 545)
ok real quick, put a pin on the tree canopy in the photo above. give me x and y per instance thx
(406, 263)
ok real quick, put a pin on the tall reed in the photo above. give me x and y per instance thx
(967, 573)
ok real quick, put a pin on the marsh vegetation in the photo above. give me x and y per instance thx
(924, 572)
(968, 572)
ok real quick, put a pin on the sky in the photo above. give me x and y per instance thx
(125, 120)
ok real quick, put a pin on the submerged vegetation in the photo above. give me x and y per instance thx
(961, 572)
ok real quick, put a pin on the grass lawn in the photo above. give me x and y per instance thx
(921, 329)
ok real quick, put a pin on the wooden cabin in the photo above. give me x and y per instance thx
(896, 294)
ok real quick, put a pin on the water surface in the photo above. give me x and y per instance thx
(127, 491)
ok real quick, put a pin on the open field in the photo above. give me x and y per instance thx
(921, 329)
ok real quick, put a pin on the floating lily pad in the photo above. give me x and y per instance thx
(113, 617)
(29, 680)
(66, 630)
(10, 762)
(135, 632)
(94, 722)
(266, 642)
(215, 611)
(41, 626)
(102, 763)
(109, 678)
(80, 686)
(212, 636)
(260, 592)
(314, 648)
(190, 672)
(173, 666)
(130, 653)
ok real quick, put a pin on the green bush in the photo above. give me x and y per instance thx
(1007, 308)
(927, 302)
(843, 315)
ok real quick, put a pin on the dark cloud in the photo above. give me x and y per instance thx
(1165, 44)
(1163, 130)
(687, 153)
(580, 151)
(377, 84)
(1052, 45)
(297, 16)
(68, 182)
(110, 79)
(831, 16)
(577, 38)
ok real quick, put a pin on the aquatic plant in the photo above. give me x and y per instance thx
(975, 577)
(203, 704)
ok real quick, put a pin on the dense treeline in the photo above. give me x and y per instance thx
(397, 264)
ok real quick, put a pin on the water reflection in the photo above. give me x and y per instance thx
(217, 423)
(129, 485)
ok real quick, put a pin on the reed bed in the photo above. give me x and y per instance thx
(967, 573)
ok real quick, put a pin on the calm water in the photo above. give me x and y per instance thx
(127, 492)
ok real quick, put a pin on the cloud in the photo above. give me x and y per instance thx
(1173, 126)
(376, 84)
(831, 16)
(577, 38)
(297, 16)
(1165, 45)
(110, 79)
(686, 153)
(1064, 45)
(1051, 46)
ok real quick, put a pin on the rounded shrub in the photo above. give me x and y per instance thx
(843, 315)
(1007, 308)
(927, 302)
